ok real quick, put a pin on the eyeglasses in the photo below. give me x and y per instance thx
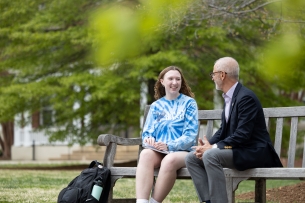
(213, 73)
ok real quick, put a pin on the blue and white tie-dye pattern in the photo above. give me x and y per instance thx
(174, 122)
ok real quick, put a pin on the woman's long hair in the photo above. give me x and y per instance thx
(160, 90)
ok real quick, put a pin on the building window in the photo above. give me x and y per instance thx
(47, 116)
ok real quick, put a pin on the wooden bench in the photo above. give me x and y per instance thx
(277, 116)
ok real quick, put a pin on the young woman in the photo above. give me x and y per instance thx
(171, 125)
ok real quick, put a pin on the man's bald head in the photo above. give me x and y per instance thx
(228, 65)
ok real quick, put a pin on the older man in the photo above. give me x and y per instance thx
(242, 141)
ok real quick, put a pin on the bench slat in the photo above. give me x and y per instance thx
(209, 114)
(278, 136)
(303, 161)
(131, 172)
(268, 112)
(210, 126)
(276, 173)
(284, 111)
(267, 124)
(292, 141)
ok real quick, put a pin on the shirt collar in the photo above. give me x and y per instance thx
(230, 92)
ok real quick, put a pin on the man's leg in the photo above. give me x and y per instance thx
(214, 161)
(199, 176)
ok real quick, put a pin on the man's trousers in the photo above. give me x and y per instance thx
(207, 173)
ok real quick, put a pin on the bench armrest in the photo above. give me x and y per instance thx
(111, 142)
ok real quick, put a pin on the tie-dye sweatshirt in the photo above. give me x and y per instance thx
(174, 122)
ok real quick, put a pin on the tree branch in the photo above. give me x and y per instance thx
(246, 11)
(247, 4)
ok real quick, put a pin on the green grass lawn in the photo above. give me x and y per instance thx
(184, 190)
(40, 186)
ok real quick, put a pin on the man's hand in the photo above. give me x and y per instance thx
(202, 147)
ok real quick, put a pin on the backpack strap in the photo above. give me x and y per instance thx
(94, 163)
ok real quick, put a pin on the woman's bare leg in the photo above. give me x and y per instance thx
(167, 174)
(149, 160)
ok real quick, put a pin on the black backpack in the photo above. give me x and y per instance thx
(80, 188)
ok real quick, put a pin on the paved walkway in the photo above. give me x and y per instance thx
(6, 162)
(81, 163)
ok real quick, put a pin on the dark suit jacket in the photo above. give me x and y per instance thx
(246, 133)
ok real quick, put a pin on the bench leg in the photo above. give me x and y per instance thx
(260, 190)
(230, 192)
(113, 180)
(110, 197)
(232, 185)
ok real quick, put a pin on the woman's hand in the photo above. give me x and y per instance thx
(150, 141)
(161, 146)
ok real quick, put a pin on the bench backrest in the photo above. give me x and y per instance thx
(211, 120)
(292, 115)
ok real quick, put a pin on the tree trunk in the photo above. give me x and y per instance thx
(8, 139)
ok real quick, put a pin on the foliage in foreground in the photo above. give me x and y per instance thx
(44, 186)
(54, 54)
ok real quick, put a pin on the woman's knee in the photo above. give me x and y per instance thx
(168, 163)
(173, 162)
(148, 156)
(146, 152)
